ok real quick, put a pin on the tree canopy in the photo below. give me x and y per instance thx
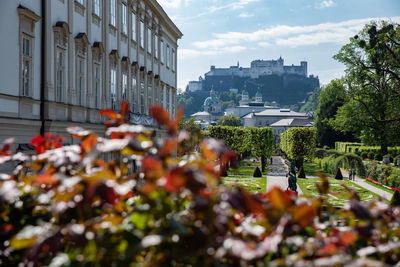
(372, 60)
(298, 143)
(332, 97)
(229, 120)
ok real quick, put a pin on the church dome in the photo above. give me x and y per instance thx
(212, 100)
(258, 94)
(244, 92)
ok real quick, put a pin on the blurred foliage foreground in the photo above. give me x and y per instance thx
(67, 206)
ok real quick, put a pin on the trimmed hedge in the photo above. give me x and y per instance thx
(346, 147)
(298, 143)
(346, 161)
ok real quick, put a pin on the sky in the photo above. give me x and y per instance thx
(225, 32)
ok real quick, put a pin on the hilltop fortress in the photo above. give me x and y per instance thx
(286, 85)
(260, 68)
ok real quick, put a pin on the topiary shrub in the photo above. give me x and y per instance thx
(301, 173)
(378, 156)
(364, 155)
(257, 172)
(371, 155)
(395, 201)
(338, 175)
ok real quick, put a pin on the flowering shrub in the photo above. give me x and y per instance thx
(127, 199)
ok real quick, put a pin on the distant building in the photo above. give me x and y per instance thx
(270, 116)
(261, 68)
(212, 110)
(284, 124)
(196, 85)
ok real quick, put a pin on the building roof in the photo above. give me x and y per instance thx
(201, 113)
(277, 113)
(212, 100)
(295, 122)
(258, 94)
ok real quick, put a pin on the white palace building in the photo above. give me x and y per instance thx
(64, 60)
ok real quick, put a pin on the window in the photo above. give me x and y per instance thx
(133, 18)
(113, 15)
(142, 97)
(96, 85)
(80, 2)
(134, 92)
(124, 86)
(168, 57)
(96, 7)
(141, 34)
(26, 66)
(149, 37)
(124, 20)
(60, 68)
(80, 80)
(113, 88)
(27, 20)
(162, 51)
(155, 46)
(173, 60)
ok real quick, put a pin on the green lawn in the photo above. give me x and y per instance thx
(246, 168)
(254, 185)
(391, 191)
(311, 169)
(338, 195)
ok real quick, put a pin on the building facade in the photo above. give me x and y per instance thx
(64, 60)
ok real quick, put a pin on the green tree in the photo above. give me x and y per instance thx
(229, 120)
(331, 98)
(298, 143)
(260, 141)
(312, 101)
(372, 60)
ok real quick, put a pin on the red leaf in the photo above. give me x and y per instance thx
(169, 147)
(89, 142)
(175, 180)
(278, 198)
(152, 167)
(124, 109)
(6, 146)
(110, 114)
(160, 115)
(303, 214)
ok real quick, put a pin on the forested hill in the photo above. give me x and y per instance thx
(286, 90)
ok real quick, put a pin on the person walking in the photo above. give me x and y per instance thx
(350, 173)
(353, 173)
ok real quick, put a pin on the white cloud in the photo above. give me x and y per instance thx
(234, 5)
(326, 4)
(246, 15)
(280, 35)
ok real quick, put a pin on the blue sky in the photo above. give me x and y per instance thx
(223, 32)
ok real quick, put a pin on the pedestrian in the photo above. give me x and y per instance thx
(350, 173)
(354, 174)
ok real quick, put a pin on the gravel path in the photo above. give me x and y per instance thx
(277, 175)
(361, 182)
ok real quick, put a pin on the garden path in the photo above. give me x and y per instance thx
(277, 175)
(361, 182)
